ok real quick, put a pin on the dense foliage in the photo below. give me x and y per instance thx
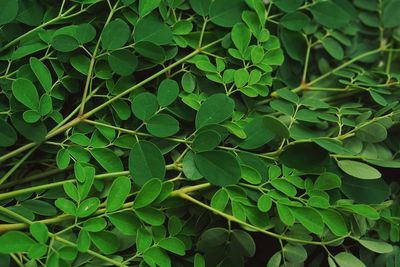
(199, 133)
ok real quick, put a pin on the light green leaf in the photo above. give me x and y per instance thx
(148, 193)
(173, 245)
(119, 191)
(15, 242)
(359, 170)
(345, 259)
(39, 231)
(309, 218)
(146, 6)
(241, 36)
(26, 93)
(377, 246)
(42, 73)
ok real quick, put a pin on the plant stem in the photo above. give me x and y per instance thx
(234, 219)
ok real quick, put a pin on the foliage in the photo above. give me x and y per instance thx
(174, 132)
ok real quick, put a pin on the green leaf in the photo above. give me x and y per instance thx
(15, 242)
(329, 14)
(258, 133)
(95, 224)
(167, 92)
(126, 222)
(200, 7)
(335, 222)
(146, 6)
(123, 62)
(143, 239)
(333, 48)
(87, 207)
(250, 174)
(264, 203)
(365, 191)
(363, 210)
(377, 246)
(26, 93)
(8, 11)
(345, 259)
(155, 256)
(309, 218)
(220, 168)
(244, 241)
(105, 241)
(327, 181)
(359, 170)
(372, 133)
(215, 109)
(37, 251)
(295, 253)
(173, 245)
(220, 200)
(285, 214)
(144, 106)
(42, 73)
(162, 125)
(188, 81)
(199, 260)
(284, 186)
(151, 216)
(8, 136)
(115, 34)
(83, 242)
(119, 191)
(32, 131)
(226, 13)
(64, 43)
(151, 29)
(288, 6)
(275, 260)
(149, 192)
(241, 77)
(303, 156)
(391, 12)
(39, 231)
(107, 159)
(146, 162)
(295, 21)
(67, 206)
(206, 140)
(241, 36)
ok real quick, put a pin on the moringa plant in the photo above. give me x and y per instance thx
(199, 133)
